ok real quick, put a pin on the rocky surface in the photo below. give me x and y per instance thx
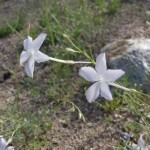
(133, 56)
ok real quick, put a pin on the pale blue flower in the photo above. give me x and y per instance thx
(140, 144)
(101, 77)
(3, 145)
(32, 53)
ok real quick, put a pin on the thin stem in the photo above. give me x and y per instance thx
(81, 116)
(68, 61)
(143, 94)
(82, 52)
(127, 89)
(122, 87)
(10, 140)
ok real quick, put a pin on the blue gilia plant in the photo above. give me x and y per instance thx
(100, 76)
(32, 54)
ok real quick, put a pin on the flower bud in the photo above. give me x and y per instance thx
(71, 50)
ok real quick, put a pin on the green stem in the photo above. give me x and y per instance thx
(68, 61)
(82, 52)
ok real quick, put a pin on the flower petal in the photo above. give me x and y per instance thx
(141, 142)
(41, 57)
(39, 41)
(112, 75)
(105, 91)
(10, 148)
(29, 67)
(93, 92)
(2, 144)
(101, 66)
(135, 147)
(24, 57)
(27, 43)
(89, 74)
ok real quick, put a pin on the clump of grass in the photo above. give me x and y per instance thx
(113, 105)
(109, 7)
(114, 6)
(132, 127)
(28, 129)
(12, 26)
(108, 119)
(81, 20)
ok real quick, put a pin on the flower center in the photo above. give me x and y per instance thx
(100, 79)
(31, 52)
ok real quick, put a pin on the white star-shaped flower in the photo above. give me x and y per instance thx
(32, 53)
(140, 144)
(3, 145)
(101, 78)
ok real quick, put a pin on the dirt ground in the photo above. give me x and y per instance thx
(68, 132)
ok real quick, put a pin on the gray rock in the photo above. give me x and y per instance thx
(132, 56)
